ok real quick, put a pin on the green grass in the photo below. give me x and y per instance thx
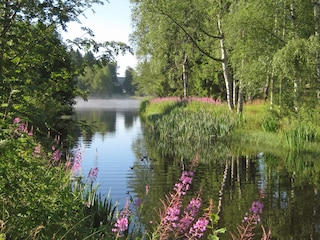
(257, 127)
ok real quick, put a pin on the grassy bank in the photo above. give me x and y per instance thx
(205, 120)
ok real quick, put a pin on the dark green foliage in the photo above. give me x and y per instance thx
(40, 197)
(37, 197)
(299, 134)
(38, 84)
(127, 85)
(143, 106)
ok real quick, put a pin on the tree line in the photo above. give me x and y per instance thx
(233, 50)
(39, 73)
(99, 79)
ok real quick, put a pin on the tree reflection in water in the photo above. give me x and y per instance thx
(287, 183)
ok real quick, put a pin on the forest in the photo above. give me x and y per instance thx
(232, 50)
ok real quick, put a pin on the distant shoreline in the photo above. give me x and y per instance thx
(112, 103)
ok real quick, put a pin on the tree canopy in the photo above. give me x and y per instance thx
(231, 50)
(38, 70)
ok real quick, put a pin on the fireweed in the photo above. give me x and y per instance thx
(122, 222)
(182, 224)
(249, 223)
(187, 99)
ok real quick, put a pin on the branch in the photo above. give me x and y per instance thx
(190, 37)
(210, 35)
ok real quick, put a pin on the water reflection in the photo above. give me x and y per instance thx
(109, 148)
(130, 157)
(287, 185)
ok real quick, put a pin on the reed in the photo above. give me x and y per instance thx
(191, 120)
(299, 134)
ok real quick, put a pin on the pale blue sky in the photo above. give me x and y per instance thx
(110, 22)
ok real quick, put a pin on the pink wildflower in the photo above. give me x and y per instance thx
(16, 120)
(254, 216)
(93, 173)
(197, 230)
(172, 215)
(185, 181)
(122, 223)
(36, 150)
(76, 160)
(189, 214)
(56, 155)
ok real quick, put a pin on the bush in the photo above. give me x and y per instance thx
(40, 198)
(271, 122)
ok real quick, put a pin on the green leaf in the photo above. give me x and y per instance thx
(220, 230)
(4, 105)
(14, 91)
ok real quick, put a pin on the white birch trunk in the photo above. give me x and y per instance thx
(224, 65)
(295, 80)
(240, 98)
(184, 76)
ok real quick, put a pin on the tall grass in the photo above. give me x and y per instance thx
(192, 121)
(299, 134)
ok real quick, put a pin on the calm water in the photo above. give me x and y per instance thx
(129, 159)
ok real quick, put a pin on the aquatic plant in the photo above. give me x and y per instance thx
(249, 223)
(184, 126)
(271, 122)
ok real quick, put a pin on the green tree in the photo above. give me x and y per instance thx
(193, 47)
(147, 82)
(127, 84)
(41, 73)
(188, 37)
(36, 65)
(98, 80)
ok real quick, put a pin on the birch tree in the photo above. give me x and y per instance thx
(199, 26)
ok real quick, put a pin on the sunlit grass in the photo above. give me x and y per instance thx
(189, 121)
(197, 119)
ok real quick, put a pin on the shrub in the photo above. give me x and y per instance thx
(40, 197)
(271, 122)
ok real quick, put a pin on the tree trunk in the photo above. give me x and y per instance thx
(271, 91)
(240, 96)
(234, 93)
(225, 65)
(266, 88)
(184, 75)
(295, 80)
(222, 187)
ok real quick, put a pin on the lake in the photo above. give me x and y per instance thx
(129, 158)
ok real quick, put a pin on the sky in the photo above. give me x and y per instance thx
(110, 22)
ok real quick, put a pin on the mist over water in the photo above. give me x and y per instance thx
(110, 104)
